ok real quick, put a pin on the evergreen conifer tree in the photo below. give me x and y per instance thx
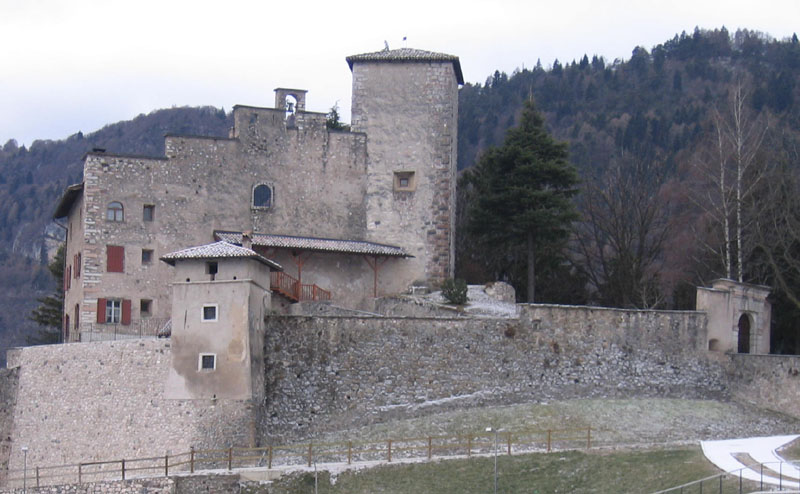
(522, 192)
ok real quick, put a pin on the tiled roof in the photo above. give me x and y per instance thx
(408, 55)
(315, 244)
(218, 250)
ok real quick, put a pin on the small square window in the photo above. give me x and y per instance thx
(147, 256)
(404, 181)
(209, 312)
(207, 362)
(148, 212)
(145, 308)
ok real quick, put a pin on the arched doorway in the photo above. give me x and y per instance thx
(744, 334)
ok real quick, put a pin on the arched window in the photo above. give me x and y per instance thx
(262, 196)
(114, 211)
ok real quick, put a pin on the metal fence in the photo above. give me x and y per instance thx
(150, 327)
(751, 479)
(424, 448)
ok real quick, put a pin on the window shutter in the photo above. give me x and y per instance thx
(101, 310)
(68, 277)
(66, 280)
(78, 266)
(115, 257)
(126, 312)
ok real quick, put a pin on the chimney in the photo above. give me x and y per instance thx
(247, 239)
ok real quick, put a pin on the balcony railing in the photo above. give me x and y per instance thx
(148, 327)
(292, 289)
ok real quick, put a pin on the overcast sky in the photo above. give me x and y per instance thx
(76, 65)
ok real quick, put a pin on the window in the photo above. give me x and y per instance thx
(145, 308)
(113, 311)
(148, 212)
(404, 181)
(212, 268)
(207, 362)
(77, 263)
(114, 212)
(209, 312)
(115, 259)
(147, 256)
(262, 196)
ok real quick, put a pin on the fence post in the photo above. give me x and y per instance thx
(230, 457)
(37, 477)
(349, 452)
(79, 473)
(123, 468)
(309, 455)
(588, 438)
(548, 440)
(469, 446)
(191, 459)
(166, 465)
(389, 443)
(269, 464)
(509, 444)
(740, 481)
(430, 448)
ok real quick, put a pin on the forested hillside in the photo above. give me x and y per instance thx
(650, 136)
(663, 141)
(31, 182)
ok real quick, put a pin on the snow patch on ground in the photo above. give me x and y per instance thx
(479, 303)
(762, 450)
(441, 401)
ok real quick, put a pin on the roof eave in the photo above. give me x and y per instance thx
(71, 193)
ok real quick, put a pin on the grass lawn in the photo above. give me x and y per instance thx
(569, 472)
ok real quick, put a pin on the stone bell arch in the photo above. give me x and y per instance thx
(738, 314)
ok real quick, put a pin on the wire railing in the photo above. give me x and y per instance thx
(149, 327)
(750, 479)
(423, 448)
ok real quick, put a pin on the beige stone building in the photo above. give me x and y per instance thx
(350, 215)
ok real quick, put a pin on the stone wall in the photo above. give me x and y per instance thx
(190, 484)
(329, 373)
(767, 381)
(8, 398)
(105, 400)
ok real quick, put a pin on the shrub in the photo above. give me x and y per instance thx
(455, 291)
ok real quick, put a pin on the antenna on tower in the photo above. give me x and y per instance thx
(385, 45)
(405, 45)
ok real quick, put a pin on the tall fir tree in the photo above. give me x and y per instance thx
(49, 312)
(522, 194)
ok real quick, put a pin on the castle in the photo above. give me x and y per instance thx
(349, 215)
(222, 232)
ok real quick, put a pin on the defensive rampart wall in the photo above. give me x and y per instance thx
(328, 373)
(105, 400)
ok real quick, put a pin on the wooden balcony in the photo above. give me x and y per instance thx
(292, 289)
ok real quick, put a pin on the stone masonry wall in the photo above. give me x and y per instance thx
(767, 381)
(329, 373)
(105, 400)
(8, 398)
(190, 484)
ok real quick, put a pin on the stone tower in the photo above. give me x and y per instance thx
(220, 295)
(406, 102)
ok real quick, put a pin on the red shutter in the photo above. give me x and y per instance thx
(115, 259)
(126, 312)
(101, 310)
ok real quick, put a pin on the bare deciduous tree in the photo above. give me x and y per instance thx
(620, 241)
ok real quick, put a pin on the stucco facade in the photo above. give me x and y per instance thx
(739, 316)
(389, 181)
